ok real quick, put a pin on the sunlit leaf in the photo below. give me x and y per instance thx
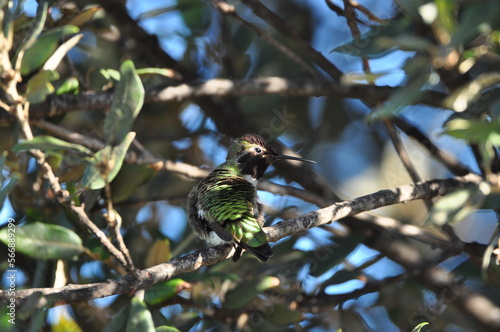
(110, 74)
(446, 17)
(70, 85)
(127, 102)
(45, 241)
(419, 327)
(485, 134)
(457, 205)
(64, 324)
(474, 130)
(462, 98)
(44, 47)
(56, 58)
(246, 291)
(40, 86)
(164, 328)
(162, 292)
(49, 143)
(140, 318)
(158, 71)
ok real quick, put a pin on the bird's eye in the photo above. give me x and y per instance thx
(258, 150)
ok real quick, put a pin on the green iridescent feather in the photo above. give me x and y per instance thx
(229, 199)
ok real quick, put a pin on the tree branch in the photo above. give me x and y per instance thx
(147, 277)
(59, 104)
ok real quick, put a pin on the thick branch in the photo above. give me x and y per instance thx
(403, 194)
(58, 104)
(146, 278)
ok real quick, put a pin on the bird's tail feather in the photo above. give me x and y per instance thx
(262, 252)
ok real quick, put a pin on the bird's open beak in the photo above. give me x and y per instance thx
(294, 158)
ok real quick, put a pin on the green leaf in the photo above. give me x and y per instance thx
(162, 292)
(130, 177)
(325, 258)
(106, 164)
(194, 14)
(282, 315)
(14, 179)
(246, 291)
(35, 30)
(55, 59)
(127, 102)
(70, 85)
(446, 16)
(382, 40)
(456, 206)
(165, 328)
(419, 327)
(50, 144)
(491, 201)
(45, 241)
(157, 71)
(110, 74)
(462, 98)
(485, 134)
(44, 47)
(3, 156)
(418, 76)
(474, 15)
(474, 131)
(467, 270)
(39, 86)
(140, 318)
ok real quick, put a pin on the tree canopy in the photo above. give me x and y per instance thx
(112, 111)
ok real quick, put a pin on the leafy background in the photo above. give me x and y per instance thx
(328, 278)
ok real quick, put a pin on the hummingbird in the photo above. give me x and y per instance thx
(224, 206)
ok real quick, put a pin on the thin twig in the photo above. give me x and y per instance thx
(114, 223)
(351, 17)
(145, 158)
(366, 11)
(403, 154)
(228, 9)
(277, 23)
(450, 162)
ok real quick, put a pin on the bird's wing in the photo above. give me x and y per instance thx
(228, 204)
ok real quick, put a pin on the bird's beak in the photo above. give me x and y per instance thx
(294, 158)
